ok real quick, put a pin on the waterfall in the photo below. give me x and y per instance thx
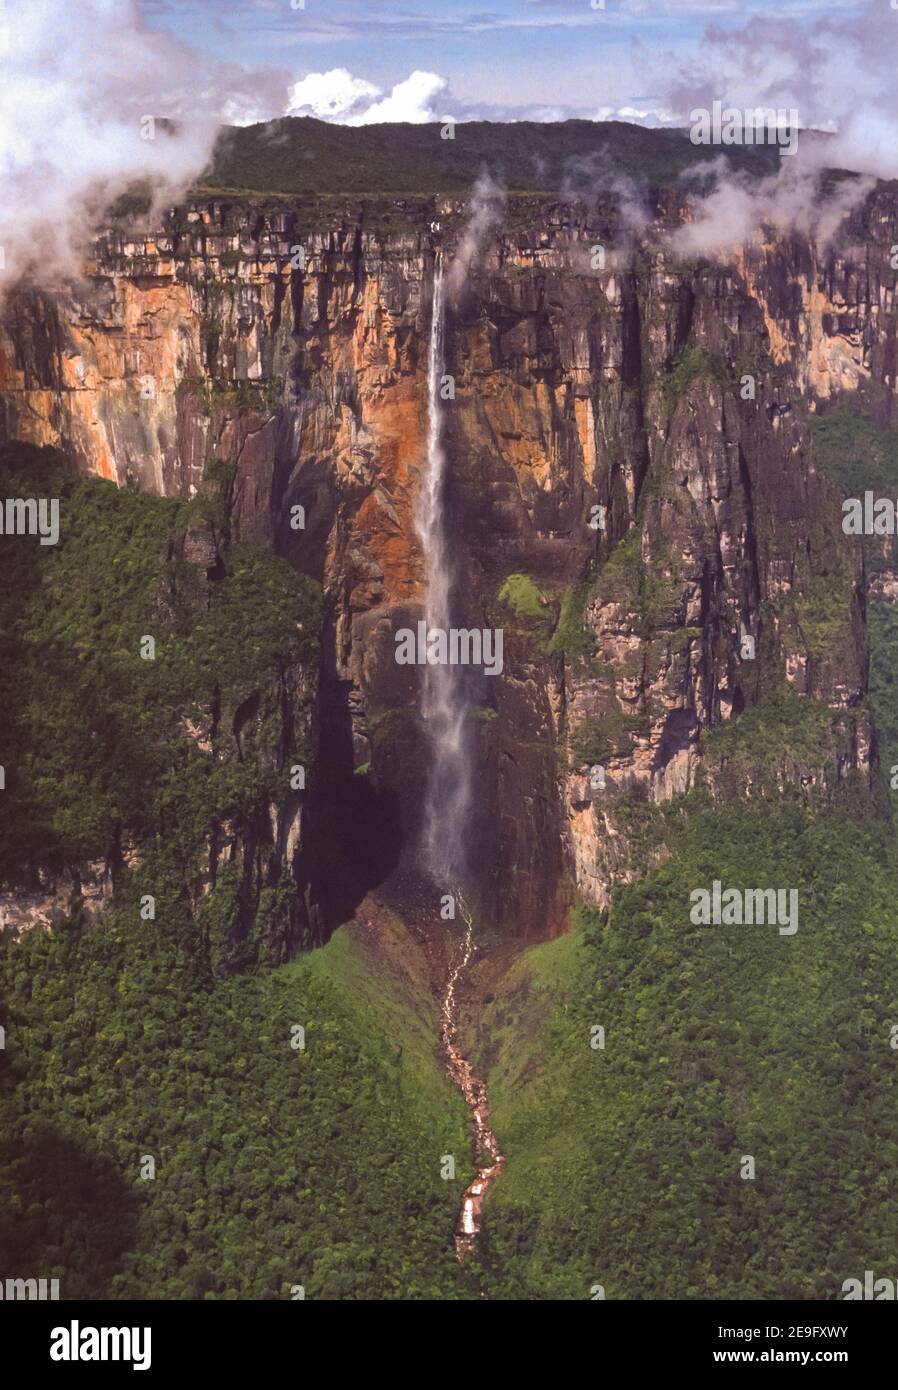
(443, 703)
(447, 807)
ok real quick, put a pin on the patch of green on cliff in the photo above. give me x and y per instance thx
(572, 636)
(609, 735)
(523, 597)
(701, 364)
(683, 637)
(624, 570)
(695, 364)
(640, 587)
(856, 452)
(822, 610)
(214, 498)
(648, 825)
(782, 730)
(235, 396)
(625, 1159)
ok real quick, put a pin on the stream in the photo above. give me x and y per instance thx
(488, 1156)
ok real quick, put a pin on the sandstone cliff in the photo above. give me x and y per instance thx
(289, 338)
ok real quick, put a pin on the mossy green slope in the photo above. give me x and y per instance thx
(275, 1166)
(624, 1162)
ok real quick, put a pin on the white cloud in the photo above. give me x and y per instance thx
(411, 100)
(731, 215)
(331, 96)
(339, 96)
(637, 115)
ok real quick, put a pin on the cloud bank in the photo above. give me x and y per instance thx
(78, 82)
(91, 102)
(838, 73)
(338, 96)
(343, 98)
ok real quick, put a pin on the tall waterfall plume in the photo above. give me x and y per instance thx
(443, 703)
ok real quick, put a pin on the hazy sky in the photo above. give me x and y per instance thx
(80, 78)
(499, 53)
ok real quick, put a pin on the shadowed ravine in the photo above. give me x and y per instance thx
(447, 810)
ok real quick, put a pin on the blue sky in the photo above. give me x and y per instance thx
(496, 52)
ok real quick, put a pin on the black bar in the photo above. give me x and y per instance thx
(234, 1339)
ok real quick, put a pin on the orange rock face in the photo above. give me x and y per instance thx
(575, 389)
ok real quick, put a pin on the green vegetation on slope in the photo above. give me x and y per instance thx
(274, 1166)
(856, 452)
(572, 636)
(624, 1163)
(882, 619)
(133, 1038)
(95, 739)
(303, 155)
(783, 729)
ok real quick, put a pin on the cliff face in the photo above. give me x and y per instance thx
(290, 339)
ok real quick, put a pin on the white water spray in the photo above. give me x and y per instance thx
(443, 705)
